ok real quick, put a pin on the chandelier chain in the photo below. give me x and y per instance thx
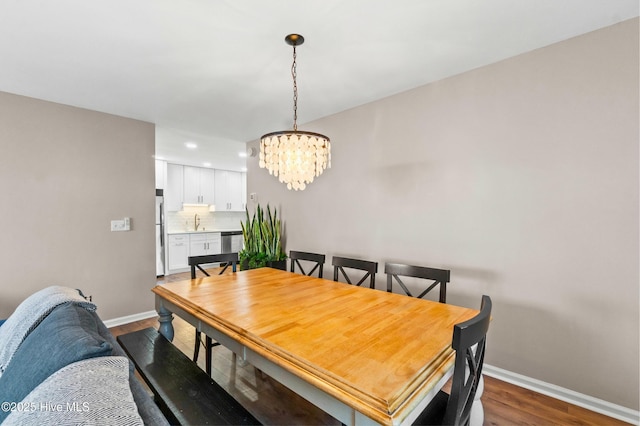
(295, 91)
(295, 157)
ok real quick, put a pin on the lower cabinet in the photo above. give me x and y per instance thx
(181, 246)
(206, 243)
(178, 247)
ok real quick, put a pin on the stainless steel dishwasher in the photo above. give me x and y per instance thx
(227, 238)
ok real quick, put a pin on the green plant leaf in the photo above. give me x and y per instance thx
(262, 238)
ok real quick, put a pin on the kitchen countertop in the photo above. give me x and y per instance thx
(203, 231)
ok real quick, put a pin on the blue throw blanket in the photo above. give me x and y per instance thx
(30, 313)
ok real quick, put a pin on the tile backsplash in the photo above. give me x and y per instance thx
(184, 220)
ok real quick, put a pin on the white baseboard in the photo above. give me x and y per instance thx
(585, 401)
(130, 318)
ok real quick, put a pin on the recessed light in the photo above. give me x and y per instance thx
(206, 164)
(242, 154)
(191, 145)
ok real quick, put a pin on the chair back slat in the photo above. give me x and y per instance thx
(439, 277)
(316, 258)
(223, 258)
(370, 268)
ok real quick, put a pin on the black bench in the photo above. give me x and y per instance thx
(185, 394)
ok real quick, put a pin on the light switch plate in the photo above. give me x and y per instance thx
(118, 225)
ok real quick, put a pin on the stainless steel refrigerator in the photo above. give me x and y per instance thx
(159, 233)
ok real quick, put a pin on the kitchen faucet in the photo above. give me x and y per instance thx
(196, 222)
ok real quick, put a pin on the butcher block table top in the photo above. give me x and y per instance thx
(379, 353)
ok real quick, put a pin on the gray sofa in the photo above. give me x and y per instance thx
(60, 364)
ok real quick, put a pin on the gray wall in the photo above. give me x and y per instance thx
(522, 178)
(64, 174)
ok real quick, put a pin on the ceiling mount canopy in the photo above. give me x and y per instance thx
(295, 156)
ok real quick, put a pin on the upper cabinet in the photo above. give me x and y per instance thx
(229, 191)
(225, 189)
(174, 191)
(199, 185)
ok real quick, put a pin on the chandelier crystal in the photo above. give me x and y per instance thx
(295, 157)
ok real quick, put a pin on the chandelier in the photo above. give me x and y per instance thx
(295, 156)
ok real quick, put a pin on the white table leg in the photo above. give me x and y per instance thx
(477, 410)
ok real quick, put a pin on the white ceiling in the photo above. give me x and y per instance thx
(218, 72)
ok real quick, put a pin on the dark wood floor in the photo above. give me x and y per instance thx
(272, 403)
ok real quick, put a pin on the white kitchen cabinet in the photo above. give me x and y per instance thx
(214, 243)
(228, 193)
(207, 185)
(199, 185)
(181, 246)
(205, 243)
(178, 246)
(174, 191)
(191, 185)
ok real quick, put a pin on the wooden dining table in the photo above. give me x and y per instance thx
(364, 356)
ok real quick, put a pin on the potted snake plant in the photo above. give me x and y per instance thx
(262, 241)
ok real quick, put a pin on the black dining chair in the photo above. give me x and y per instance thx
(316, 262)
(469, 342)
(439, 277)
(195, 262)
(370, 269)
